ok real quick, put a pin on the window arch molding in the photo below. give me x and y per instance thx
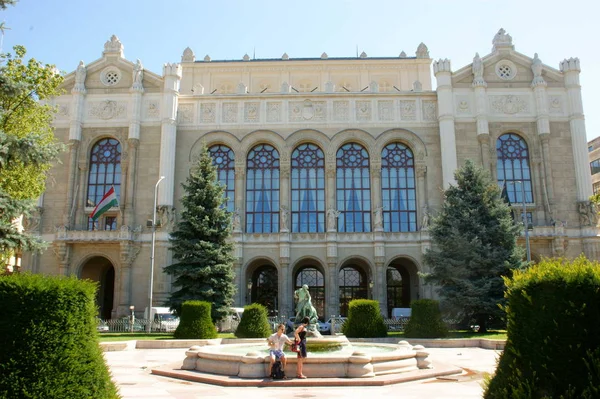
(214, 138)
(404, 136)
(512, 167)
(261, 136)
(308, 136)
(344, 137)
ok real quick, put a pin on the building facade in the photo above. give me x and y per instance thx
(333, 167)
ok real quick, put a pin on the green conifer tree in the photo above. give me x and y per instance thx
(201, 243)
(474, 245)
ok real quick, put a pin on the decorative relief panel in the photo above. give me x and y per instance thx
(555, 105)
(363, 110)
(462, 105)
(307, 110)
(385, 110)
(107, 109)
(509, 104)
(273, 112)
(63, 111)
(230, 113)
(252, 112)
(429, 110)
(208, 113)
(340, 110)
(408, 110)
(185, 114)
(152, 109)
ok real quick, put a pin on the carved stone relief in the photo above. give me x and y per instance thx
(363, 110)
(385, 110)
(273, 112)
(185, 114)
(408, 110)
(340, 110)
(555, 105)
(152, 109)
(208, 113)
(63, 111)
(107, 109)
(462, 105)
(429, 111)
(230, 112)
(509, 104)
(308, 110)
(252, 112)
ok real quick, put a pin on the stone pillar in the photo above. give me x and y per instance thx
(443, 74)
(81, 216)
(284, 198)
(571, 70)
(168, 134)
(547, 179)
(421, 170)
(132, 154)
(376, 199)
(483, 132)
(240, 191)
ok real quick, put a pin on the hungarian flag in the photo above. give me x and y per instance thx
(108, 201)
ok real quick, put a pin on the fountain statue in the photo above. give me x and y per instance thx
(304, 308)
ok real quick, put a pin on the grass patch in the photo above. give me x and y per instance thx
(458, 334)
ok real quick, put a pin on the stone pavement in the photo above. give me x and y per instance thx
(131, 370)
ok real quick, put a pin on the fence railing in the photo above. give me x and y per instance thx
(123, 325)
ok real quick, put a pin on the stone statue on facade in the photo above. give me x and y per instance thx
(536, 68)
(332, 215)
(284, 212)
(236, 220)
(425, 221)
(478, 71)
(80, 74)
(587, 213)
(138, 75)
(378, 217)
(305, 308)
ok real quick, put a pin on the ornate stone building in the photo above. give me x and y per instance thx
(332, 167)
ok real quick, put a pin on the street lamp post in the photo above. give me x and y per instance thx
(149, 324)
(249, 294)
(525, 224)
(131, 318)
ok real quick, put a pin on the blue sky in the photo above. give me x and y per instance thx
(62, 32)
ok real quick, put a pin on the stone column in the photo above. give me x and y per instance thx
(571, 70)
(168, 134)
(483, 132)
(133, 142)
(443, 74)
(376, 200)
(420, 171)
(240, 192)
(284, 198)
(81, 216)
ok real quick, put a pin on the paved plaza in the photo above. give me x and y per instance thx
(131, 370)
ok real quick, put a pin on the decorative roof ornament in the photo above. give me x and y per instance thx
(422, 51)
(442, 65)
(138, 76)
(188, 55)
(113, 46)
(570, 65)
(502, 40)
(477, 68)
(206, 58)
(80, 74)
(324, 56)
(285, 57)
(246, 57)
(402, 54)
(536, 68)
(363, 55)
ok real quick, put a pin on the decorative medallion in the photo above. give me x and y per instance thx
(385, 110)
(207, 113)
(230, 112)
(408, 110)
(363, 110)
(273, 112)
(251, 112)
(107, 110)
(509, 104)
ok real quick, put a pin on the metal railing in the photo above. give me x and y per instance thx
(123, 325)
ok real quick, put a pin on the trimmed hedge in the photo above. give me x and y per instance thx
(552, 347)
(195, 322)
(364, 320)
(425, 320)
(254, 323)
(49, 340)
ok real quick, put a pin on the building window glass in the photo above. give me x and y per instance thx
(353, 285)
(513, 168)
(104, 173)
(353, 189)
(596, 187)
(262, 190)
(595, 166)
(224, 160)
(308, 189)
(398, 189)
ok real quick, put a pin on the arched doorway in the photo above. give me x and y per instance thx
(352, 282)
(402, 284)
(102, 271)
(312, 277)
(264, 288)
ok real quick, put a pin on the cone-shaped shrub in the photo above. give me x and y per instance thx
(552, 346)
(254, 323)
(49, 343)
(195, 322)
(425, 320)
(364, 320)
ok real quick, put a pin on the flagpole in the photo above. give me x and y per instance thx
(149, 325)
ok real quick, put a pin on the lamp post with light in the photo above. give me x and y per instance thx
(131, 318)
(149, 325)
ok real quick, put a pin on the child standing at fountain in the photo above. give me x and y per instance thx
(300, 335)
(276, 342)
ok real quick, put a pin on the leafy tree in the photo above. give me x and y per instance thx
(474, 246)
(27, 142)
(201, 243)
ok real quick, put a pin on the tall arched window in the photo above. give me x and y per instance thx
(353, 285)
(353, 189)
(398, 189)
(224, 160)
(308, 189)
(104, 173)
(262, 190)
(513, 167)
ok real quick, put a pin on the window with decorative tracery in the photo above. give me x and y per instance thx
(224, 160)
(353, 189)
(104, 173)
(308, 189)
(513, 167)
(316, 287)
(398, 189)
(352, 283)
(262, 190)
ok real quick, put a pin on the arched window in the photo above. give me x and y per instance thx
(265, 288)
(104, 173)
(308, 189)
(353, 189)
(316, 287)
(398, 189)
(262, 190)
(353, 285)
(224, 160)
(513, 167)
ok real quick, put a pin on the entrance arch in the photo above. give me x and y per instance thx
(263, 284)
(353, 278)
(402, 282)
(309, 272)
(101, 270)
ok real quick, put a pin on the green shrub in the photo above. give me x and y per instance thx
(552, 347)
(425, 320)
(195, 322)
(364, 320)
(49, 340)
(254, 323)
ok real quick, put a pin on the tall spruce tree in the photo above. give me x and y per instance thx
(201, 243)
(474, 245)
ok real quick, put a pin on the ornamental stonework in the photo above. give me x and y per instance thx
(363, 110)
(273, 112)
(462, 105)
(509, 104)
(555, 105)
(252, 112)
(307, 110)
(108, 109)
(152, 109)
(185, 114)
(208, 113)
(408, 110)
(230, 113)
(63, 111)
(385, 110)
(340, 110)
(429, 110)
